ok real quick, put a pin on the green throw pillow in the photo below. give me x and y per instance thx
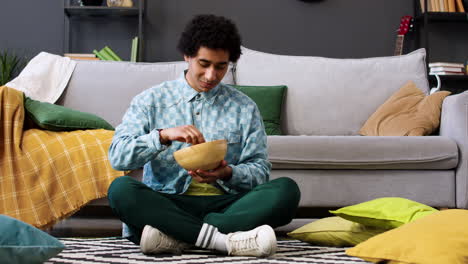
(23, 243)
(387, 212)
(335, 232)
(59, 118)
(269, 100)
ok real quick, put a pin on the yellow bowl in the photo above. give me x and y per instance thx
(204, 156)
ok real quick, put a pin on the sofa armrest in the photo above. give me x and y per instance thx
(454, 124)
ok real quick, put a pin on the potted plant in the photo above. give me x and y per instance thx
(10, 65)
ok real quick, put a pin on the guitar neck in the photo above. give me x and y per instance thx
(399, 45)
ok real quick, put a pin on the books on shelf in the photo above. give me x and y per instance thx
(451, 6)
(446, 68)
(134, 51)
(107, 53)
(446, 64)
(111, 53)
(442, 6)
(89, 55)
(460, 7)
(98, 55)
(446, 73)
(81, 56)
(449, 69)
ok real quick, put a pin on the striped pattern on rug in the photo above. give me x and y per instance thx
(120, 250)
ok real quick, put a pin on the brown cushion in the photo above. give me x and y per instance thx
(408, 112)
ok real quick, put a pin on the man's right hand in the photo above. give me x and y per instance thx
(187, 133)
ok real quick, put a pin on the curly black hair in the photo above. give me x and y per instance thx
(213, 32)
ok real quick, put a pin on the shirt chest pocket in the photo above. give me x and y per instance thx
(234, 144)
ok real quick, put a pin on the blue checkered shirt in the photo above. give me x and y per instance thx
(221, 113)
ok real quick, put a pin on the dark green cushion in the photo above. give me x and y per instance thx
(59, 118)
(269, 100)
(23, 243)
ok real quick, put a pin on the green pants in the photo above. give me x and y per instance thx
(182, 216)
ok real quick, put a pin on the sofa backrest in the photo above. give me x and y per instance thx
(106, 88)
(328, 96)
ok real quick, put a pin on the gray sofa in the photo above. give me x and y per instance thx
(327, 102)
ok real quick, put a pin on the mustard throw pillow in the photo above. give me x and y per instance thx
(438, 238)
(334, 232)
(408, 112)
(386, 212)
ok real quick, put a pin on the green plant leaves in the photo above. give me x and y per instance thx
(10, 63)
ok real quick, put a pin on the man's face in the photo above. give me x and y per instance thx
(207, 68)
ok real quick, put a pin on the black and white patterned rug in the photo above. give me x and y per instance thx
(120, 250)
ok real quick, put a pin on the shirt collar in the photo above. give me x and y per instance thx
(188, 93)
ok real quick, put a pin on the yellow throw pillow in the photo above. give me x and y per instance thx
(408, 112)
(438, 238)
(334, 232)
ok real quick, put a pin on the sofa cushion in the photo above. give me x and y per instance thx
(331, 96)
(269, 100)
(408, 112)
(357, 152)
(59, 118)
(105, 88)
(334, 188)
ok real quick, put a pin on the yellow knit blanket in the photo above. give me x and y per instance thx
(46, 176)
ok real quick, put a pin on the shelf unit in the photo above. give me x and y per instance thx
(423, 22)
(71, 11)
(438, 17)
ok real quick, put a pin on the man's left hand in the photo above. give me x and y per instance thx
(222, 172)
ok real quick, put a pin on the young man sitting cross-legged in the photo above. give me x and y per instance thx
(230, 209)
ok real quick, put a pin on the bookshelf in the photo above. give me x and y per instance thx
(423, 22)
(90, 12)
(444, 16)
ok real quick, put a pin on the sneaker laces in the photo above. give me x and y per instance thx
(258, 242)
(244, 244)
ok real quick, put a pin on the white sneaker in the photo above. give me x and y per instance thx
(258, 242)
(154, 241)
